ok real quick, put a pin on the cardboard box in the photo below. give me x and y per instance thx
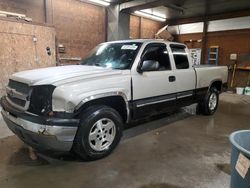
(164, 34)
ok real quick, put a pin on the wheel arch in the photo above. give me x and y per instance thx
(116, 100)
(217, 84)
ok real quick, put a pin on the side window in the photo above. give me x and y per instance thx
(180, 57)
(158, 53)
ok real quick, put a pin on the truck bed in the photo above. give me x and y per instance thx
(206, 72)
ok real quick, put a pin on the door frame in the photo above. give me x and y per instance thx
(150, 105)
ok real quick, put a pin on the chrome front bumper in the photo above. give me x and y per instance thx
(40, 136)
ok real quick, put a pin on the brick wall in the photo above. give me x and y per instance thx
(79, 26)
(144, 28)
(150, 28)
(134, 27)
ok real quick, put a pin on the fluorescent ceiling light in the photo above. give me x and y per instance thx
(153, 16)
(155, 13)
(100, 2)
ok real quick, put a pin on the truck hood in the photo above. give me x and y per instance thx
(62, 74)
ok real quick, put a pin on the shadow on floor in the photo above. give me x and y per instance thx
(226, 168)
(151, 123)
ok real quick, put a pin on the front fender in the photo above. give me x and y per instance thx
(70, 103)
(102, 95)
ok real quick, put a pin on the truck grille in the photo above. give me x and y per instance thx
(18, 94)
(19, 86)
(17, 101)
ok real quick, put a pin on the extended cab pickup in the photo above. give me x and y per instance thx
(83, 107)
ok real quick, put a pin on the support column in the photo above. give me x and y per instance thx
(48, 11)
(204, 43)
(117, 24)
(204, 35)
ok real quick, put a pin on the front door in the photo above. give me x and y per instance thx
(154, 91)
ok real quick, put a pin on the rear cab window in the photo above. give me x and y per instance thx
(180, 56)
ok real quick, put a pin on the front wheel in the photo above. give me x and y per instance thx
(209, 104)
(99, 133)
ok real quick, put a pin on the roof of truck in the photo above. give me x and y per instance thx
(145, 41)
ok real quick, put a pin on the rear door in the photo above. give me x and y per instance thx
(154, 91)
(184, 73)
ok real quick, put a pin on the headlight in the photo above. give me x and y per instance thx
(41, 99)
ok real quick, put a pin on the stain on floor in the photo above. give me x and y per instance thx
(22, 157)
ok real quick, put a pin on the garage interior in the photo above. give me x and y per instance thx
(176, 150)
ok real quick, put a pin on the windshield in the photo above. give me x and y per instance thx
(113, 55)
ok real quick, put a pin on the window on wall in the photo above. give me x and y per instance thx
(180, 56)
(158, 53)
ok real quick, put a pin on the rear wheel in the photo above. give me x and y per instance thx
(99, 133)
(209, 104)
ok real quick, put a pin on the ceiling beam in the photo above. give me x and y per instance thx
(120, 1)
(140, 5)
(174, 7)
(125, 7)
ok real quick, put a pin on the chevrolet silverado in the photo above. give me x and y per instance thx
(83, 108)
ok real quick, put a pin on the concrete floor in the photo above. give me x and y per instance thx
(176, 151)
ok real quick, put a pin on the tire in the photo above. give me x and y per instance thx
(210, 102)
(99, 132)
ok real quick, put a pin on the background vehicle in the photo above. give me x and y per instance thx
(84, 107)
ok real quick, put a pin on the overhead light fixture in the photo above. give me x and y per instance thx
(153, 16)
(100, 2)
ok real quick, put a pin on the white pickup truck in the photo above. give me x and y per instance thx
(83, 108)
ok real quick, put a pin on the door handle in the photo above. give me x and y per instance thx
(171, 78)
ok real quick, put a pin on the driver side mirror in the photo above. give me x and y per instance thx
(149, 65)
